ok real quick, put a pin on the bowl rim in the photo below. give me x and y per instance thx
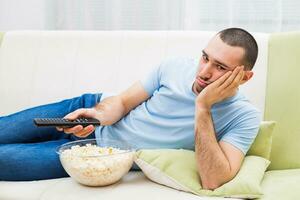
(130, 150)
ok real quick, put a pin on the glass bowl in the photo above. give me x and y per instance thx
(95, 162)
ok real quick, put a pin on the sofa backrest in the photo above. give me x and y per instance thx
(283, 99)
(1, 37)
(38, 67)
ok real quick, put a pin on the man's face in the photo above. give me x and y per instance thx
(217, 59)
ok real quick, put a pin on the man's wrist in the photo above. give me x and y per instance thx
(201, 102)
(97, 113)
(203, 106)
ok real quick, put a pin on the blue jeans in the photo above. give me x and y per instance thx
(29, 153)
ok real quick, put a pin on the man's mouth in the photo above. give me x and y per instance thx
(201, 83)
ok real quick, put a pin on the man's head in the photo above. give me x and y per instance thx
(227, 50)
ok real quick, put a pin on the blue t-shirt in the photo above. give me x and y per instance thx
(166, 119)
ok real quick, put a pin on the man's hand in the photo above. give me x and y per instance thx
(222, 88)
(79, 130)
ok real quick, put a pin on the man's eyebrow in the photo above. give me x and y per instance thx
(218, 62)
(204, 53)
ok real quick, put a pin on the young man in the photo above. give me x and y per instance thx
(181, 104)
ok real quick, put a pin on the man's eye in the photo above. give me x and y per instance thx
(220, 67)
(205, 57)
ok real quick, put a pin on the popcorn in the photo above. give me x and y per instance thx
(96, 166)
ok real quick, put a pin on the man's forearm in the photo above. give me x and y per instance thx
(213, 166)
(110, 110)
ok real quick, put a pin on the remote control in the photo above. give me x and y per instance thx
(65, 122)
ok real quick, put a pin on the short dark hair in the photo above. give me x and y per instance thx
(241, 38)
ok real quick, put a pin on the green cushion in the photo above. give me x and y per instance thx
(263, 142)
(281, 184)
(177, 169)
(282, 99)
(1, 37)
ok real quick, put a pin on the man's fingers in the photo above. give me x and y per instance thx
(74, 115)
(222, 79)
(74, 129)
(237, 80)
(86, 131)
(82, 112)
(79, 130)
(233, 77)
(59, 128)
(242, 74)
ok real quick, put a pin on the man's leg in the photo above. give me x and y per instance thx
(19, 127)
(28, 152)
(32, 161)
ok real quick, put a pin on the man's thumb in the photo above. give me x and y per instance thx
(74, 115)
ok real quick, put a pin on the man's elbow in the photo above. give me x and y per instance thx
(214, 182)
(210, 185)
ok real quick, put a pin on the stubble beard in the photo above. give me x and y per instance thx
(197, 88)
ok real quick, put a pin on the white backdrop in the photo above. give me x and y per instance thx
(254, 15)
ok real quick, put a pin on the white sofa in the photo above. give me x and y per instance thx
(38, 67)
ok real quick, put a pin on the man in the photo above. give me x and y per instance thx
(181, 104)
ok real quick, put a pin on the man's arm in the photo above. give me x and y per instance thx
(112, 109)
(217, 163)
(108, 111)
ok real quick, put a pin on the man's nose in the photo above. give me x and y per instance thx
(206, 71)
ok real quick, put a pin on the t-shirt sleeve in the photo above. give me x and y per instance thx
(152, 81)
(243, 131)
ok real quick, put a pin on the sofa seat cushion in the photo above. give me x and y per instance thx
(281, 184)
(132, 186)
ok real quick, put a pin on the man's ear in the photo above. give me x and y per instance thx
(247, 76)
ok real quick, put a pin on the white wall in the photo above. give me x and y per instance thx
(22, 14)
(213, 15)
